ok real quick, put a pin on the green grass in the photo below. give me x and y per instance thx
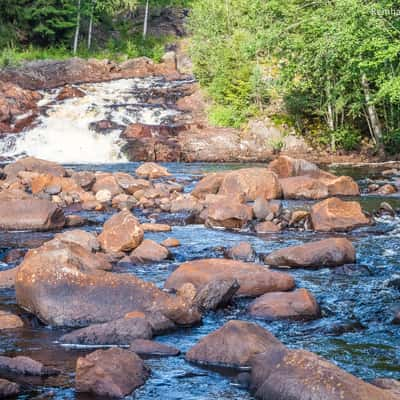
(116, 50)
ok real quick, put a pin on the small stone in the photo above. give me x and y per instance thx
(103, 196)
(171, 242)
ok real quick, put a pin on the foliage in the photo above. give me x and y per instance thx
(338, 62)
(391, 141)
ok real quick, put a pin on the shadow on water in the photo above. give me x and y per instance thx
(357, 303)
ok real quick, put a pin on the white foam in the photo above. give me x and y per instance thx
(64, 135)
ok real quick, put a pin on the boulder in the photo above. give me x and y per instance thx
(103, 196)
(286, 167)
(22, 365)
(85, 179)
(33, 164)
(281, 374)
(30, 214)
(267, 227)
(118, 332)
(243, 251)
(186, 203)
(251, 183)
(151, 348)
(8, 389)
(10, 321)
(54, 184)
(334, 214)
(386, 190)
(63, 286)
(254, 279)
(262, 208)
(149, 251)
(387, 383)
(113, 373)
(82, 238)
(299, 304)
(230, 215)
(215, 294)
(342, 186)
(151, 170)
(171, 242)
(210, 184)
(233, 345)
(323, 253)
(7, 278)
(108, 182)
(122, 232)
(303, 187)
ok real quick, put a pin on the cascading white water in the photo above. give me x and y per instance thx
(64, 134)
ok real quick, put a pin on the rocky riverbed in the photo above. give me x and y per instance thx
(187, 281)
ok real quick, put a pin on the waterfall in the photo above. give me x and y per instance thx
(63, 131)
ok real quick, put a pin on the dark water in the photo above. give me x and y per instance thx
(357, 304)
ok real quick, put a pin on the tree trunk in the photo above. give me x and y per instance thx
(146, 20)
(89, 42)
(373, 117)
(78, 25)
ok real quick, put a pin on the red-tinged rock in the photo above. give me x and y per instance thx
(323, 253)
(251, 183)
(113, 373)
(10, 321)
(233, 345)
(299, 304)
(122, 232)
(254, 279)
(70, 92)
(149, 251)
(303, 187)
(151, 170)
(336, 215)
(152, 348)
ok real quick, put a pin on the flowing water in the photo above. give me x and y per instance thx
(358, 303)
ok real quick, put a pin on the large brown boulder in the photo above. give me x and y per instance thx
(30, 214)
(33, 164)
(107, 182)
(22, 365)
(281, 374)
(254, 279)
(323, 253)
(337, 215)
(230, 215)
(251, 183)
(62, 285)
(342, 186)
(113, 373)
(233, 345)
(149, 251)
(46, 182)
(303, 187)
(122, 232)
(210, 184)
(119, 332)
(299, 304)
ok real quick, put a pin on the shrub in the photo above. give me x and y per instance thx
(391, 142)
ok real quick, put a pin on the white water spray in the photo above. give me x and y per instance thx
(64, 134)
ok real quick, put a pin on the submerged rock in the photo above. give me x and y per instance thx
(113, 372)
(243, 251)
(25, 366)
(152, 348)
(119, 332)
(323, 253)
(253, 279)
(233, 345)
(8, 389)
(299, 304)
